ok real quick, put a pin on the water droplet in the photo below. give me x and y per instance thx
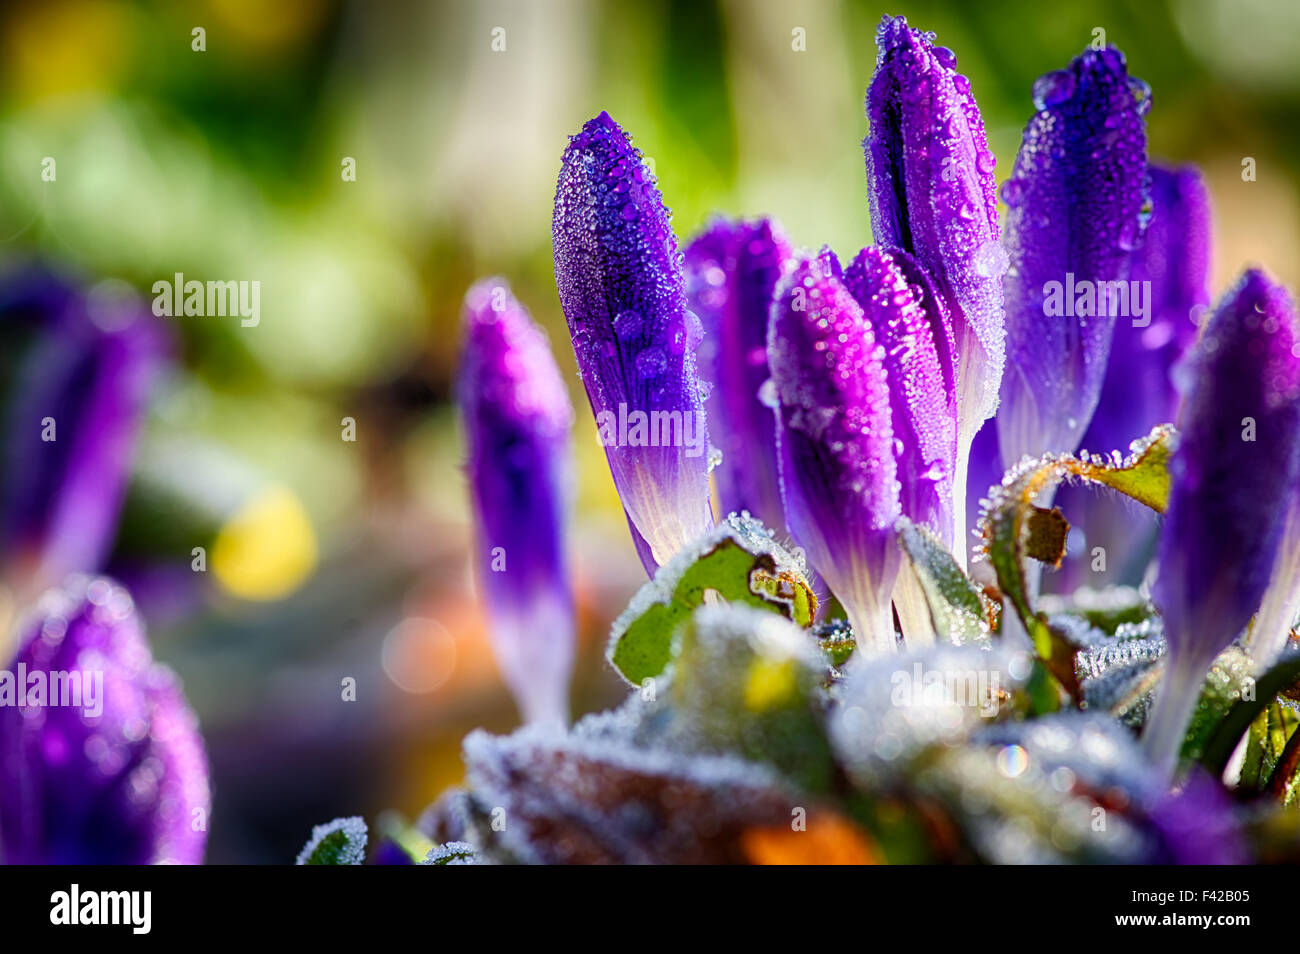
(1013, 192)
(651, 362)
(1128, 234)
(629, 212)
(945, 57)
(991, 260)
(767, 395)
(627, 324)
(1141, 94)
(1054, 88)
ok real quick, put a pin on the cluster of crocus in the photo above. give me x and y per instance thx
(100, 757)
(845, 401)
(517, 421)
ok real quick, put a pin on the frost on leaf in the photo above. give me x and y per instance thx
(1071, 787)
(747, 681)
(739, 561)
(451, 853)
(1012, 529)
(550, 797)
(892, 709)
(339, 842)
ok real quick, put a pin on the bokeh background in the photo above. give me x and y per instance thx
(331, 558)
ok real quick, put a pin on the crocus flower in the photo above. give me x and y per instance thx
(620, 282)
(80, 396)
(114, 773)
(1233, 474)
(835, 443)
(517, 425)
(897, 300)
(1174, 262)
(731, 273)
(931, 190)
(1076, 205)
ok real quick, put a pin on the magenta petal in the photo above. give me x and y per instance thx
(517, 427)
(1075, 216)
(931, 188)
(620, 282)
(732, 270)
(923, 405)
(123, 781)
(836, 442)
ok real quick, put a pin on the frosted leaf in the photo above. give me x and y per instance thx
(338, 842)
(551, 797)
(890, 709)
(1033, 792)
(451, 853)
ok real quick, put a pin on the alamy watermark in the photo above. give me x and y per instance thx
(1090, 299)
(78, 688)
(969, 688)
(626, 428)
(212, 299)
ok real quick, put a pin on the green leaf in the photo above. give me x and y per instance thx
(451, 853)
(956, 608)
(738, 561)
(1233, 697)
(339, 842)
(747, 681)
(1013, 529)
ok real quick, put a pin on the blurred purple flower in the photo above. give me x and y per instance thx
(1139, 391)
(79, 398)
(931, 188)
(1198, 825)
(1233, 477)
(619, 276)
(835, 443)
(120, 776)
(518, 420)
(1076, 204)
(732, 270)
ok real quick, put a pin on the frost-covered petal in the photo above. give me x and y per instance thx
(732, 269)
(1234, 475)
(517, 427)
(1075, 202)
(620, 282)
(931, 189)
(120, 778)
(923, 405)
(835, 442)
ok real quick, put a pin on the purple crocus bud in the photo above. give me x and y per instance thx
(918, 369)
(931, 189)
(1076, 202)
(835, 443)
(731, 275)
(1170, 271)
(620, 281)
(101, 761)
(1233, 475)
(518, 420)
(80, 397)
